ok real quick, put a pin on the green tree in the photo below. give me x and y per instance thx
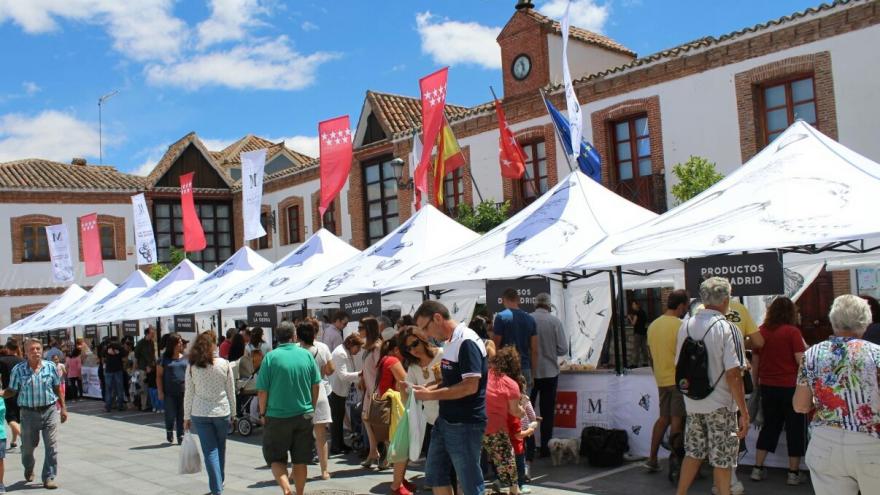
(485, 217)
(175, 256)
(694, 176)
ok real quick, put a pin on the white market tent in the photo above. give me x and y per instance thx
(803, 189)
(203, 295)
(135, 284)
(68, 297)
(173, 283)
(98, 292)
(543, 238)
(317, 254)
(424, 237)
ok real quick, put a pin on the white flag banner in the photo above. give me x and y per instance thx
(144, 241)
(575, 119)
(415, 156)
(59, 252)
(252, 166)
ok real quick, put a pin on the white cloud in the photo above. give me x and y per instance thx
(453, 42)
(216, 144)
(51, 134)
(30, 88)
(229, 21)
(586, 14)
(143, 30)
(307, 145)
(271, 64)
(309, 26)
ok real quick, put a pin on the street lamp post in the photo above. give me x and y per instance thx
(101, 101)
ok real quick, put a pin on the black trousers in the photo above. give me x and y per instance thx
(779, 414)
(337, 414)
(544, 391)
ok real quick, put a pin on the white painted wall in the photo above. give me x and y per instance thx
(583, 58)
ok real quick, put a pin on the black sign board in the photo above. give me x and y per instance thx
(131, 328)
(265, 316)
(757, 274)
(185, 323)
(361, 305)
(91, 331)
(60, 334)
(527, 289)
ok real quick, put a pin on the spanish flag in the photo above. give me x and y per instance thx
(449, 157)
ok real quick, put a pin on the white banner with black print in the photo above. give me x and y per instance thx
(59, 253)
(253, 164)
(145, 242)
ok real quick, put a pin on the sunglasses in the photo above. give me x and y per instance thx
(412, 345)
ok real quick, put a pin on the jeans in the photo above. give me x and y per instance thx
(456, 445)
(32, 423)
(545, 390)
(174, 413)
(155, 403)
(212, 436)
(337, 414)
(842, 462)
(113, 382)
(520, 470)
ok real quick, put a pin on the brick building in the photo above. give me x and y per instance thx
(722, 98)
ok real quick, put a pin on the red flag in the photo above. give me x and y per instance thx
(91, 244)
(193, 235)
(511, 156)
(336, 152)
(433, 94)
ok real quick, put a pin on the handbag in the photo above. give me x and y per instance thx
(379, 413)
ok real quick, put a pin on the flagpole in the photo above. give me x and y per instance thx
(558, 135)
(525, 169)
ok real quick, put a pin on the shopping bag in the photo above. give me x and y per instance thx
(398, 449)
(417, 426)
(190, 460)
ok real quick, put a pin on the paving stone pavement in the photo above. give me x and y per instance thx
(125, 453)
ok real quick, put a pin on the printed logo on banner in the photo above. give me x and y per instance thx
(566, 410)
(596, 411)
(527, 288)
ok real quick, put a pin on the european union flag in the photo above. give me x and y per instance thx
(588, 159)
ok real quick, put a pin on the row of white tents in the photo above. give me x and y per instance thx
(803, 191)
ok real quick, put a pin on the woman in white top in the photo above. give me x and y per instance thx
(209, 402)
(305, 334)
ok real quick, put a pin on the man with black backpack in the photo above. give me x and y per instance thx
(708, 372)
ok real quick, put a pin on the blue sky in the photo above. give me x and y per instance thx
(226, 68)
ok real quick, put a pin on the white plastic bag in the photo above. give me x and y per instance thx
(417, 425)
(190, 460)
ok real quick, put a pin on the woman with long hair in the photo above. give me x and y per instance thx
(236, 347)
(209, 402)
(305, 334)
(776, 366)
(171, 380)
(74, 374)
(503, 400)
(481, 328)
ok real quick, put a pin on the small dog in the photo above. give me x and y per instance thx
(562, 448)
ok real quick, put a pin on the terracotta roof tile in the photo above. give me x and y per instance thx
(402, 113)
(35, 173)
(580, 34)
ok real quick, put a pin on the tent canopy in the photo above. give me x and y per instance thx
(202, 295)
(59, 320)
(426, 236)
(802, 189)
(317, 254)
(68, 297)
(134, 284)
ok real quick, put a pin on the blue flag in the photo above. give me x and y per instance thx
(588, 159)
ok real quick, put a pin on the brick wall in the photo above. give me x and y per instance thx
(19, 312)
(255, 243)
(15, 226)
(283, 205)
(840, 281)
(522, 35)
(96, 197)
(511, 189)
(317, 222)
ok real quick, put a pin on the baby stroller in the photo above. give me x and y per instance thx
(247, 415)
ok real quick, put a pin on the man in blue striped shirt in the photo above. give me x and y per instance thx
(38, 387)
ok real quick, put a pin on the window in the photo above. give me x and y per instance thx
(293, 224)
(35, 243)
(265, 221)
(535, 182)
(108, 241)
(453, 190)
(216, 222)
(380, 198)
(632, 148)
(782, 103)
(328, 220)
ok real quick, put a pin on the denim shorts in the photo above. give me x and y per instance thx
(456, 444)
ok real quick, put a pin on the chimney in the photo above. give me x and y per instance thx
(524, 4)
(78, 161)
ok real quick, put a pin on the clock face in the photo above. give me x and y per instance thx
(522, 65)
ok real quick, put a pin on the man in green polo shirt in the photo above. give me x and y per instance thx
(287, 385)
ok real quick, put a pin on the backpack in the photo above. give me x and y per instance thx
(692, 368)
(604, 448)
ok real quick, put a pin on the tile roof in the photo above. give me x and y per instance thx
(403, 113)
(580, 33)
(35, 173)
(173, 153)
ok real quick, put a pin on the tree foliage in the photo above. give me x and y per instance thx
(694, 176)
(159, 270)
(485, 217)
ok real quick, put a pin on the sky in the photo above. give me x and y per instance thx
(273, 68)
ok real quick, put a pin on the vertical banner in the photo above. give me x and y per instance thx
(59, 252)
(91, 244)
(145, 242)
(253, 164)
(575, 120)
(433, 92)
(335, 156)
(193, 235)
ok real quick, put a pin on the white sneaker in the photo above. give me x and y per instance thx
(736, 488)
(794, 479)
(758, 474)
